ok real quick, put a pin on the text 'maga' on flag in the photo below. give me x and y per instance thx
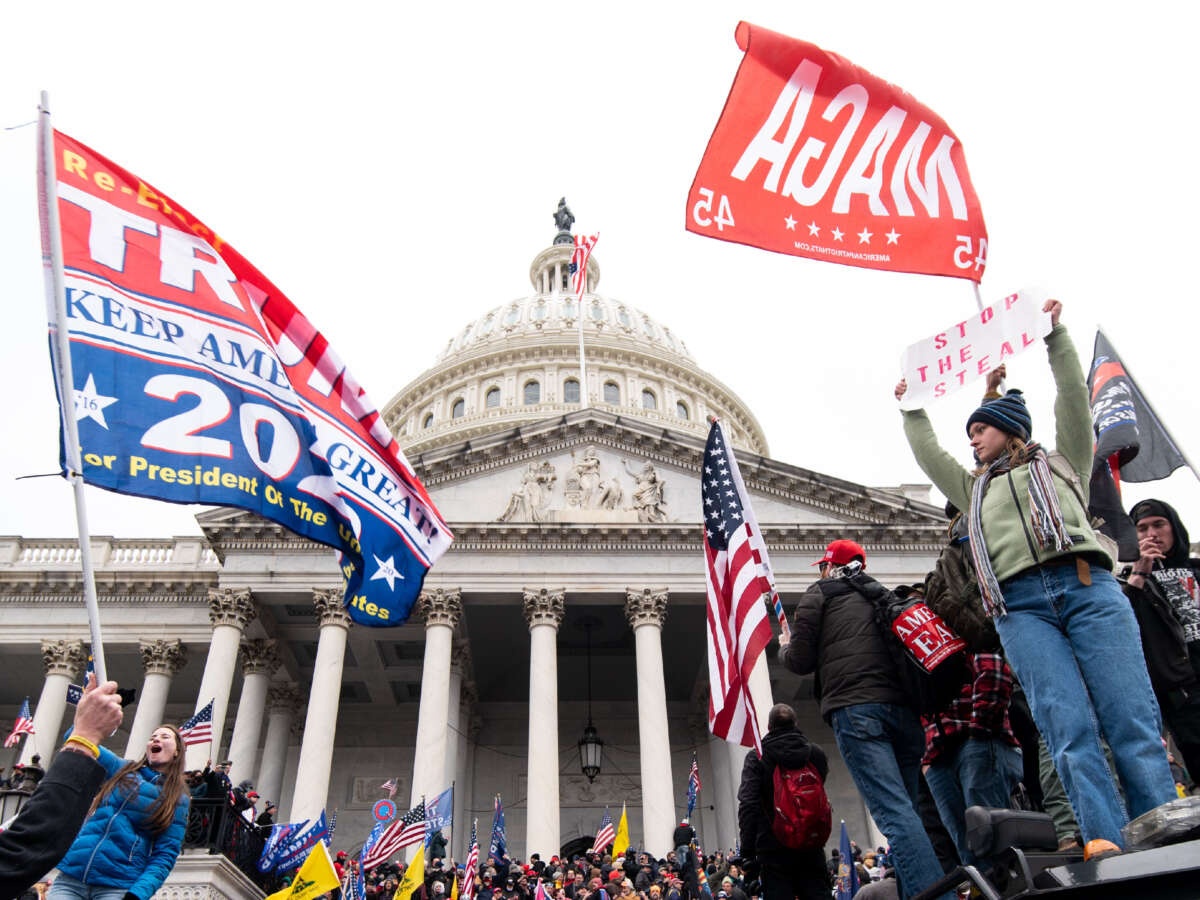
(814, 156)
(468, 889)
(498, 846)
(400, 833)
(738, 575)
(23, 725)
(1132, 444)
(196, 380)
(198, 729)
(693, 784)
(579, 264)
(605, 834)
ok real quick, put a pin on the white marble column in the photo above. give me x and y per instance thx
(283, 702)
(453, 712)
(737, 759)
(320, 723)
(61, 660)
(230, 610)
(723, 797)
(441, 608)
(646, 610)
(456, 738)
(544, 612)
(289, 771)
(259, 659)
(161, 659)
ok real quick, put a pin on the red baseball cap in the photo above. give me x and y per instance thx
(841, 552)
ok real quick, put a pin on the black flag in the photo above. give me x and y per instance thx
(1130, 441)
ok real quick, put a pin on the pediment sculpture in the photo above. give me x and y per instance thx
(589, 494)
(531, 500)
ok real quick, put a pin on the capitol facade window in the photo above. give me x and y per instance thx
(569, 309)
(598, 312)
(513, 315)
(681, 410)
(612, 393)
(571, 391)
(623, 317)
(458, 409)
(427, 421)
(649, 401)
(539, 311)
(492, 398)
(533, 393)
(648, 328)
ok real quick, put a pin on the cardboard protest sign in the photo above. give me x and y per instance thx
(941, 364)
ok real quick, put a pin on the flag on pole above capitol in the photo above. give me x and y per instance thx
(814, 156)
(198, 381)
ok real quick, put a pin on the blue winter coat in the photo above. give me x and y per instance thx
(113, 849)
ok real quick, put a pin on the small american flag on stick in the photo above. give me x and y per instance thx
(24, 725)
(607, 834)
(198, 729)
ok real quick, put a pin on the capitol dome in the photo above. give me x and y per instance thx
(519, 363)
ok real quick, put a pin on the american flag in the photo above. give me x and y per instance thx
(24, 725)
(738, 574)
(198, 729)
(408, 829)
(693, 784)
(606, 834)
(468, 888)
(389, 786)
(579, 263)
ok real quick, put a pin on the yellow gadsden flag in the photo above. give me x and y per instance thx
(315, 877)
(414, 875)
(621, 844)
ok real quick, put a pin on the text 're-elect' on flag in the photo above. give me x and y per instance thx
(814, 156)
(196, 380)
(737, 574)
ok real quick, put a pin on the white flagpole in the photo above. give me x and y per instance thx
(56, 307)
(583, 398)
(978, 296)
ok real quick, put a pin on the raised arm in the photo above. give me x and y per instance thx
(1073, 433)
(939, 466)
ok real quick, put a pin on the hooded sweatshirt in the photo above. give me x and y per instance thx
(791, 750)
(1167, 607)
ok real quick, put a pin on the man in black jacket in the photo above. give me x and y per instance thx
(835, 634)
(42, 832)
(1164, 589)
(785, 873)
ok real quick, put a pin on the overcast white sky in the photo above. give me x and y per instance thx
(394, 168)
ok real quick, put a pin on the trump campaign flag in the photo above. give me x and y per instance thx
(814, 156)
(196, 380)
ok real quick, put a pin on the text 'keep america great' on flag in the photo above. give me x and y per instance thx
(737, 572)
(196, 380)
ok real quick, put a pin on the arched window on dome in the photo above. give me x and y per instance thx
(533, 393)
(539, 310)
(488, 323)
(612, 393)
(513, 316)
(566, 279)
(598, 311)
(492, 398)
(569, 311)
(649, 401)
(571, 390)
(623, 317)
(670, 340)
(681, 410)
(427, 421)
(648, 327)
(459, 409)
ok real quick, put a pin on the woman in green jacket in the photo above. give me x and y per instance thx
(1068, 633)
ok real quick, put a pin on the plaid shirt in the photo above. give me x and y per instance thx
(980, 711)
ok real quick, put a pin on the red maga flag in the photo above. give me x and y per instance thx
(816, 157)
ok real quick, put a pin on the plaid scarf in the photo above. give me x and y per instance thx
(1044, 513)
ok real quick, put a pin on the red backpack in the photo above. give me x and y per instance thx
(803, 818)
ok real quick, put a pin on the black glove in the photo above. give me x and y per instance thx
(751, 869)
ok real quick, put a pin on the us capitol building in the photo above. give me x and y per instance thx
(573, 595)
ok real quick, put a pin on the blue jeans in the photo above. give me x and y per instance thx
(1077, 652)
(979, 772)
(882, 744)
(67, 888)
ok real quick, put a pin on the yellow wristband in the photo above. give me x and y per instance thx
(84, 742)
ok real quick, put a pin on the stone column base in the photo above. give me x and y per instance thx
(199, 875)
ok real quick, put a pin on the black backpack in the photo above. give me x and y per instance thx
(930, 659)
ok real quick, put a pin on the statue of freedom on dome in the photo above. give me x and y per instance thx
(563, 219)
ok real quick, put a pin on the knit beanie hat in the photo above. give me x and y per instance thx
(1008, 413)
